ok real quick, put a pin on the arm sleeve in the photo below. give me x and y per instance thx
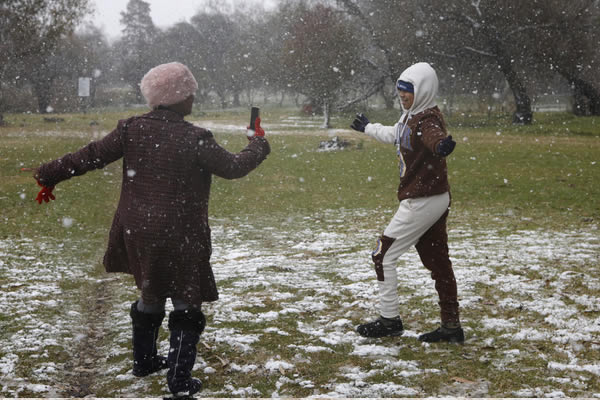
(385, 134)
(217, 160)
(433, 132)
(95, 155)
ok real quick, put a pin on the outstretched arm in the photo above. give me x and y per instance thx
(385, 134)
(434, 137)
(95, 155)
(214, 158)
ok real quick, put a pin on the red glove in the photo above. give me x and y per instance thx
(258, 131)
(45, 194)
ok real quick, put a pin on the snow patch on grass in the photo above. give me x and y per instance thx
(308, 291)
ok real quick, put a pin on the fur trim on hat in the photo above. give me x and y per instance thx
(168, 84)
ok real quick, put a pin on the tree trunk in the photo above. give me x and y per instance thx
(200, 100)
(139, 97)
(523, 114)
(236, 99)
(449, 106)
(387, 98)
(326, 115)
(2, 105)
(41, 88)
(223, 100)
(282, 98)
(586, 98)
(250, 96)
(92, 99)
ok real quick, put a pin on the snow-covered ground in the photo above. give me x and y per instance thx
(65, 328)
(287, 126)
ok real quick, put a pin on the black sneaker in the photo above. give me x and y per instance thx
(381, 327)
(441, 334)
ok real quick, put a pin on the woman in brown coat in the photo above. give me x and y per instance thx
(160, 232)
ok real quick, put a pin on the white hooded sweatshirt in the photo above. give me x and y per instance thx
(425, 82)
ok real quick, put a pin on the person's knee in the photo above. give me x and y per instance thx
(180, 305)
(383, 245)
(144, 319)
(191, 319)
(154, 308)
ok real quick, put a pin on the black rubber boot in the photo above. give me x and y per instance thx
(442, 334)
(186, 327)
(381, 327)
(145, 333)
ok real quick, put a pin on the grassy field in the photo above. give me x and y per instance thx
(292, 244)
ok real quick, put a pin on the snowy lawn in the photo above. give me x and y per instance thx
(290, 299)
(292, 245)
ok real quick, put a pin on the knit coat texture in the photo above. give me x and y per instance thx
(160, 232)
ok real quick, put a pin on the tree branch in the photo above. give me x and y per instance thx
(528, 27)
(480, 52)
(374, 89)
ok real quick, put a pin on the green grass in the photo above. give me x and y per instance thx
(547, 171)
(543, 176)
(536, 180)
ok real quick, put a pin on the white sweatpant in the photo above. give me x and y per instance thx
(413, 218)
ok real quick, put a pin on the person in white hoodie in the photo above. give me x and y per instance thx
(422, 143)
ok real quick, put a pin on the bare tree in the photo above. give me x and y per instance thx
(487, 33)
(251, 51)
(31, 32)
(268, 48)
(391, 36)
(182, 42)
(567, 43)
(318, 54)
(219, 47)
(94, 58)
(474, 42)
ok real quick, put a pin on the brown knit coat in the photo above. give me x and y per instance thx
(160, 230)
(426, 172)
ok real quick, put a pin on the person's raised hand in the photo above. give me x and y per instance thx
(359, 123)
(258, 131)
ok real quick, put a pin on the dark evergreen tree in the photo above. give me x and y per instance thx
(137, 46)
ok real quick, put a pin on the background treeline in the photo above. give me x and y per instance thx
(324, 56)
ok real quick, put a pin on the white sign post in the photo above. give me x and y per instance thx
(84, 89)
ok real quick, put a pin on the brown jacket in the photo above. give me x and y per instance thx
(426, 172)
(160, 230)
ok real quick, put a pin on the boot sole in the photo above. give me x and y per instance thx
(393, 334)
(138, 374)
(449, 340)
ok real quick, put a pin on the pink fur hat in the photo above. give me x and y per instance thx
(168, 84)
